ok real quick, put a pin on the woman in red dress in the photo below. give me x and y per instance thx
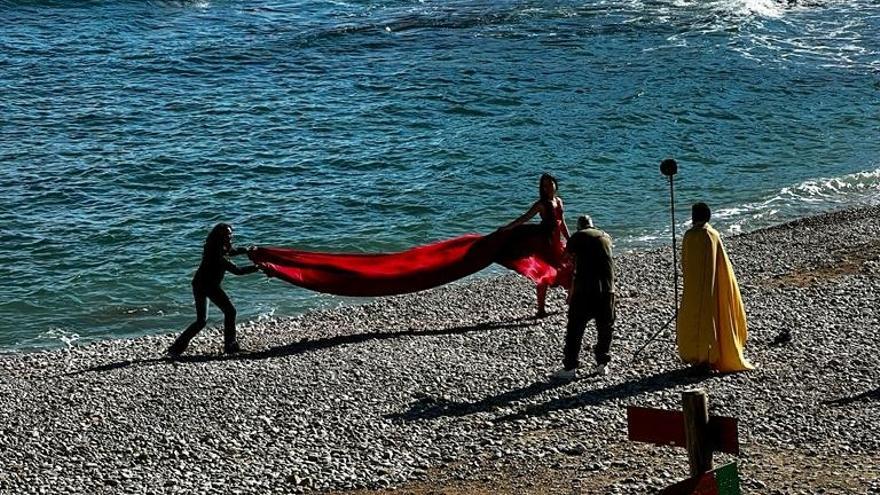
(534, 250)
(537, 250)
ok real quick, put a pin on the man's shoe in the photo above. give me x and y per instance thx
(173, 352)
(564, 375)
(600, 369)
(232, 348)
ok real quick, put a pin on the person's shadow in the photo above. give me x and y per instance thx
(867, 396)
(304, 346)
(426, 408)
(661, 381)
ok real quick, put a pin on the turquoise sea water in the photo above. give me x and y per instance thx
(128, 128)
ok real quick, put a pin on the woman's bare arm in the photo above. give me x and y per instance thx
(525, 217)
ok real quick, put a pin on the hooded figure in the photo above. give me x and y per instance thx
(711, 326)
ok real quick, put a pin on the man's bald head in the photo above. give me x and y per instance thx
(584, 222)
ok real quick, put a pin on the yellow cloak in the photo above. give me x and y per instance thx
(711, 323)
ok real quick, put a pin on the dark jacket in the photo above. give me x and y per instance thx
(594, 263)
(214, 266)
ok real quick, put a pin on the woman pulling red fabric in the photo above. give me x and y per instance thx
(206, 286)
(537, 251)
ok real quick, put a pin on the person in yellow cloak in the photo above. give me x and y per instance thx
(711, 326)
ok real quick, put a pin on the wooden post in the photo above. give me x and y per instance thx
(696, 425)
(701, 434)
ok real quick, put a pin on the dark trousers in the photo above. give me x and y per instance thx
(221, 300)
(583, 308)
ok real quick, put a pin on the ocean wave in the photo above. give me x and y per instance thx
(59, 337)
(762, 30)
(775, 31)
(808, 197)
(50, 339)
(83, 4)
(423, 15)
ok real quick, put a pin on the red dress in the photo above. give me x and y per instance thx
(537, 251)
(532, 250)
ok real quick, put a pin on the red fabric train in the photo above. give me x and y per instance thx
(419, 268)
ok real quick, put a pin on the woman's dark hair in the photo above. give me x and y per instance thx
(541, 184)
(215, 243)
(700, 212)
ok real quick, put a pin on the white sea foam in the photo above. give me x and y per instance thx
(808, 197)
(53, 335)
(739, 8)
(266, 315)
(766, 8)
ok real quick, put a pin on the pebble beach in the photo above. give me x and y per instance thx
(446, 391)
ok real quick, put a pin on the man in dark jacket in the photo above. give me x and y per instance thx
(592, 296)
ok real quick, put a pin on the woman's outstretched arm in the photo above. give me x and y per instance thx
(237, 270)
(525, 217)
